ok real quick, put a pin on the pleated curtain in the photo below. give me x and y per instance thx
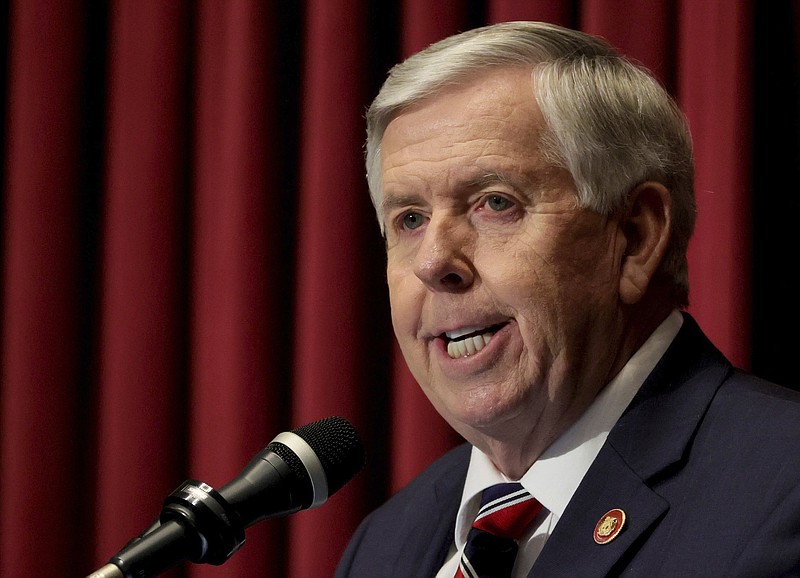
(191, 263)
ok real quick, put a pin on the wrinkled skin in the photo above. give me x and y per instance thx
(483, 233)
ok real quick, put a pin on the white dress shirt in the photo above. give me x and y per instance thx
(555, 476)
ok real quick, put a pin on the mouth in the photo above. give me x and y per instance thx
(469, 340)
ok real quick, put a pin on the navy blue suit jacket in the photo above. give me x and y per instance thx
(705, 462)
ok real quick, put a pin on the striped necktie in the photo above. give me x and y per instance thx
(506, 511)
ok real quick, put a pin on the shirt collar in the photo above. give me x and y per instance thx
(555, 476)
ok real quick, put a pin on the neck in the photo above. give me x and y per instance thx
(514, 448)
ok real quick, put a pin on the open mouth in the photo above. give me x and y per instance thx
(469, 341)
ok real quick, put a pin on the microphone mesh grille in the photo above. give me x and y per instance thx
(338, 447)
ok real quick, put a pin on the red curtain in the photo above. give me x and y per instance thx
(191, 264)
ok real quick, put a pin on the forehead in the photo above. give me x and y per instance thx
(492, 119)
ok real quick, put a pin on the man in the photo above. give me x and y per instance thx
(535, 192)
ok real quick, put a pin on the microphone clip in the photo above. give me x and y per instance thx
(217, 524)
(196, 523)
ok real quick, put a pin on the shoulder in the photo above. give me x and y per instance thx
(439, 481)
(750, 389)
(754, 413)
(741, 481)
(410, 533)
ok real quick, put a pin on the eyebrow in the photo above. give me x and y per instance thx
(392, 202)
(517, 182)
(493, 177)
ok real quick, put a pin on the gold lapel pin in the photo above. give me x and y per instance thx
(609, 526)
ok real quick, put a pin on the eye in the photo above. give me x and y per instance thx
(498, 203)
(412, 220)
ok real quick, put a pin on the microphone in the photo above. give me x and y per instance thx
(298, 470)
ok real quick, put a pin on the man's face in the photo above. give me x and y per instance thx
(504, 294)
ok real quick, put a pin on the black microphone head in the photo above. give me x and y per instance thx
(337, 446)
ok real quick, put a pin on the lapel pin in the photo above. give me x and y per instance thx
(609, 526)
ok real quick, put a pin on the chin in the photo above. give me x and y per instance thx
(484, 414)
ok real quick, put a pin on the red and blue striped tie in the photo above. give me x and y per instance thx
(506, 512)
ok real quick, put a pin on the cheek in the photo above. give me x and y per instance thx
(577, 262)
(596, 270)
(404, 302)
(551, 282)
(517, 275)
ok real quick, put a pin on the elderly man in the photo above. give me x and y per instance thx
(535, 192)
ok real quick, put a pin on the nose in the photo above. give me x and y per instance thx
(442, 261)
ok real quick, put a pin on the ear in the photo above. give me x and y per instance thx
(647, 227)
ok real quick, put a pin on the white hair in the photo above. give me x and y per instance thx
(610, 123)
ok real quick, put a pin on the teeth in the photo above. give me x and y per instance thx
(468, 346)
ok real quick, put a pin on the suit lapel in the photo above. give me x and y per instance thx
(432, 523)
(645, 446)
(610, 483)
